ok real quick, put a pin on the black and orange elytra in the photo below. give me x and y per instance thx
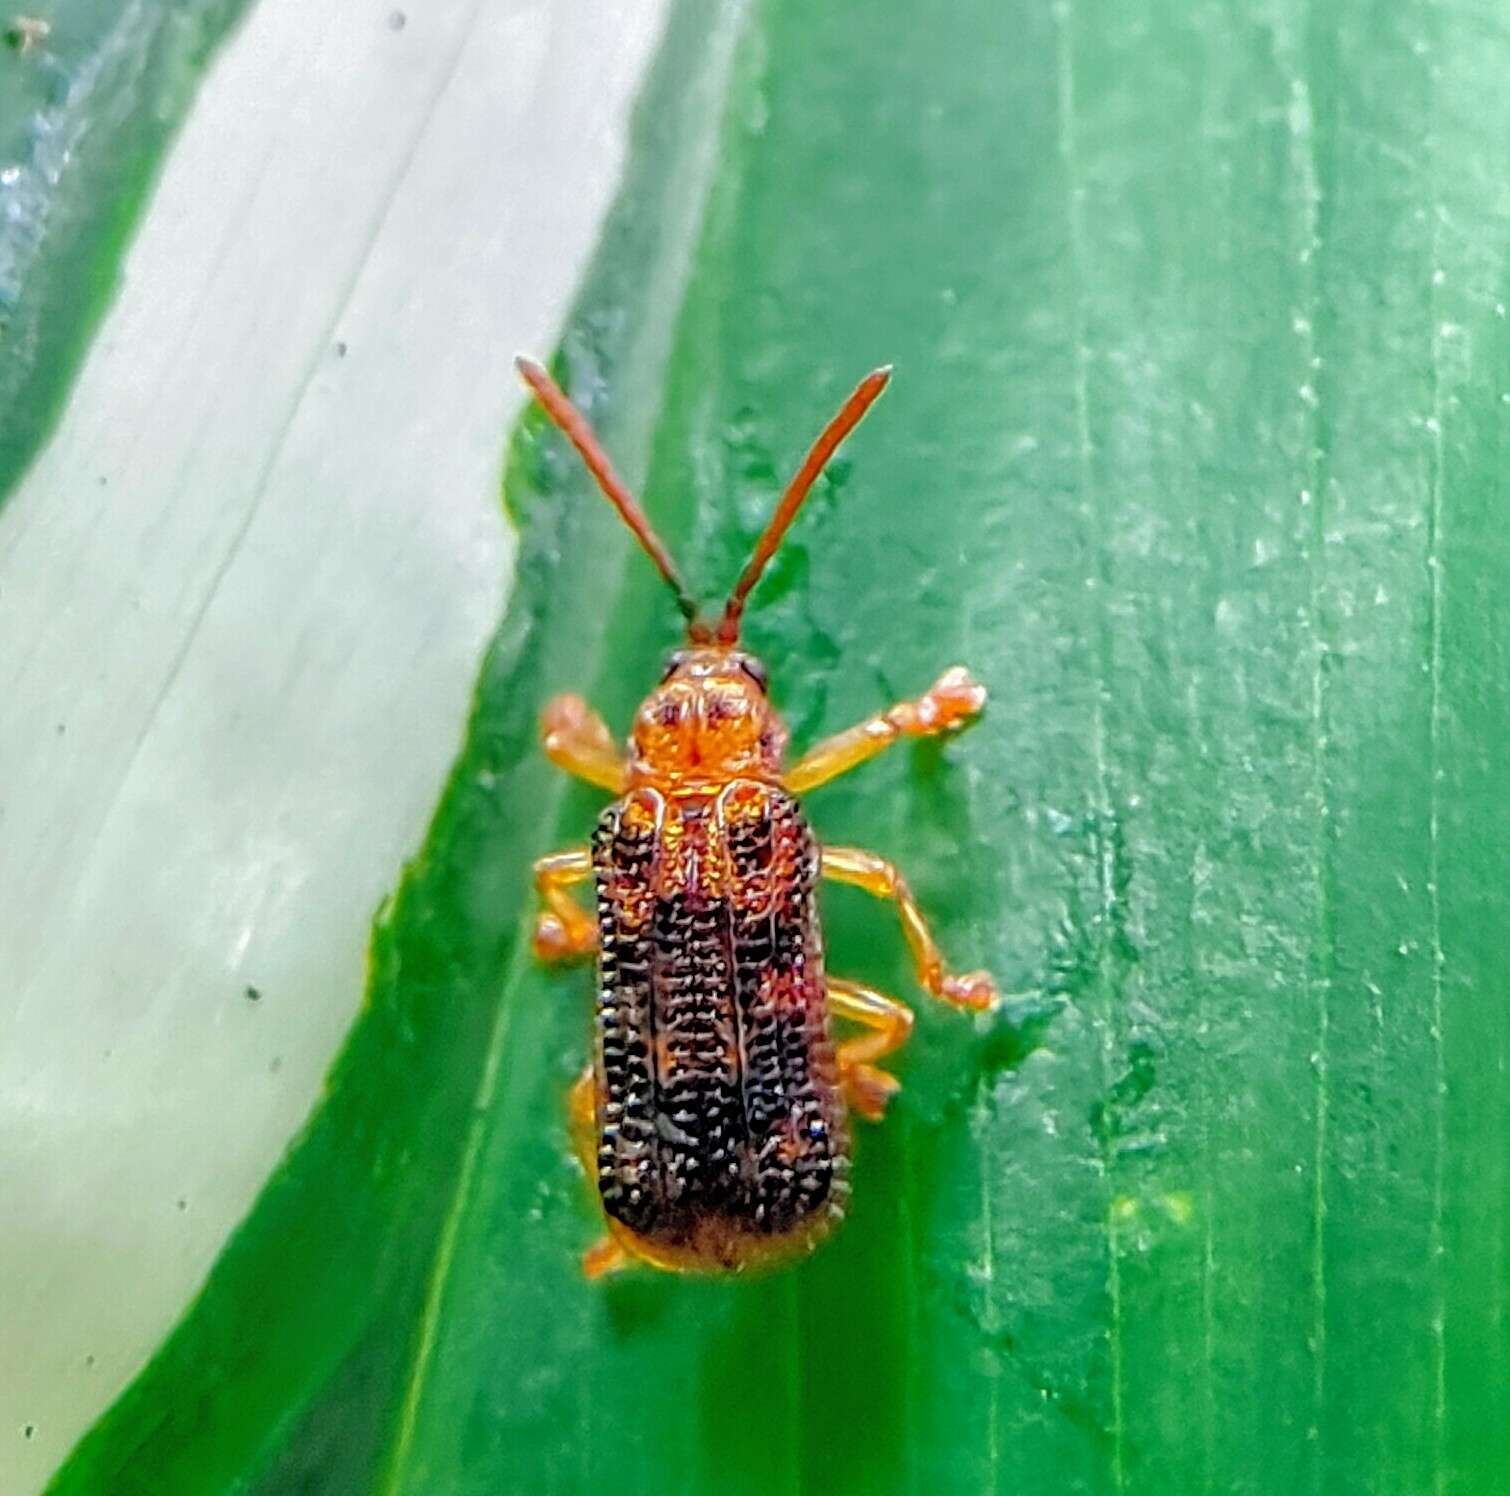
(714, 1115)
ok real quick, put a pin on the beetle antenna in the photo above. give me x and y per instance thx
(574, 425)
(796, 491)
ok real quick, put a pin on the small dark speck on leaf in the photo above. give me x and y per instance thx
(60, 729)
(1111, 1117)
(253, 995)
(837, 473)
(340, 350)
(28, 1430)
(88, 1360)
(275, 1064)
(1021, 1029)
(397, 20)
(181, 1203)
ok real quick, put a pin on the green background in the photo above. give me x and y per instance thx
(1193, 455)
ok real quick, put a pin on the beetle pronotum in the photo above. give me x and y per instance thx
(714, 1114)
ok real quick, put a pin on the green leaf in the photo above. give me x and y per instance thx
(1193, 453)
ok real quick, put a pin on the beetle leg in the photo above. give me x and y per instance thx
(949, 703)
(605, 1255)
(582, 1110)
(577, 739)
(564, 929)
(974, 990)
(867, 1087)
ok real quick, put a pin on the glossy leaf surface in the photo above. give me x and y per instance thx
(90, 93)
(1194, 454)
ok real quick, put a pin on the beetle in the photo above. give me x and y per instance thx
(714, 1113)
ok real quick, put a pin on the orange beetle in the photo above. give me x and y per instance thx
(714, 1114)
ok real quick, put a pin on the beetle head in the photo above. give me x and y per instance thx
(710, 720)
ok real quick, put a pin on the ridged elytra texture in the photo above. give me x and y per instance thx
(720, 1124)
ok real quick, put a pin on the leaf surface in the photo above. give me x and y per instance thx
(86, 111)
(1193, 454)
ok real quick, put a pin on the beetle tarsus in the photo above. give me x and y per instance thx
(954, 700)
(867, 1087)
(869, 1090)
(555, 942)
(604, 1256)
(563, 929)
(975, 991)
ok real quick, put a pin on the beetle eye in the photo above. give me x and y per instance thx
(757, 673)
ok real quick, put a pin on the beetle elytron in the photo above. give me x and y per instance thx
(714, 1114)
